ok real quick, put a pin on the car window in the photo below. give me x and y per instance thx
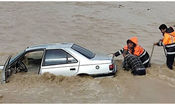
(34, 55)
(33, 60)
(83, 51)
(71, 59)
(57, 56)
(12, 60)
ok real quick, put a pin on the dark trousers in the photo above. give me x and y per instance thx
(147, 64)
(170, 61)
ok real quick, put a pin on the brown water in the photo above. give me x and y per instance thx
(158, 86)
(99, 26)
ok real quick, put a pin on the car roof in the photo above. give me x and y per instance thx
(50, 46)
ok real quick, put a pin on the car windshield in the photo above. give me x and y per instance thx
(16, 57)
(83, 51)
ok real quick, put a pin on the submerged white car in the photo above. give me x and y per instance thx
(65, 59)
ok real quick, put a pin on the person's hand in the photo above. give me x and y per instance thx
(124, 54)
(158, 42)
(155, 43)
(161, 40)
(111, 54)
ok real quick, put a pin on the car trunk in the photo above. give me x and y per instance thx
(103, 57)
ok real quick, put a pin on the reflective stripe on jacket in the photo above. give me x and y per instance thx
(144, 57)
(138, 51)
(168, 42)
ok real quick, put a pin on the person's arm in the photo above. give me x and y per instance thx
(159, 43)
(122, 51)
(125, 52)
(119, 52)
(163, 41)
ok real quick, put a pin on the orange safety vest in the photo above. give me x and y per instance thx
(169, 38)
(138, 50)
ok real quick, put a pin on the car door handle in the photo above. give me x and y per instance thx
(72, 68)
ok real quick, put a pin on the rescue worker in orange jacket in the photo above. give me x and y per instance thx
(168, 42)
(133, 48)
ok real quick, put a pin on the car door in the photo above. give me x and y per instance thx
(59, 62)
(6, 71)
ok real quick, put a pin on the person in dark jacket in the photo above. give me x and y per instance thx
(168, 43)
(132, 47)
(134, 63)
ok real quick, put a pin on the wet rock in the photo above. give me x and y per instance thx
(119, 6)
(1, 96)
(148, 9)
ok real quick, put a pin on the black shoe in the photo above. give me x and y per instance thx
(170, 67)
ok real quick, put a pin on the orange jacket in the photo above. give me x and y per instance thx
(138, 50)
(169, 38)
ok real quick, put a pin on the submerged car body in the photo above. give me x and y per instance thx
(65, 59)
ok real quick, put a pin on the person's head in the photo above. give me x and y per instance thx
(163, 28)
(169, 30)
(130, 44)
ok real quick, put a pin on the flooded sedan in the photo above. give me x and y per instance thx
(67, 59)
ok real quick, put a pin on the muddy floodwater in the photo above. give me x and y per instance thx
(158, 86)
(102, 27)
